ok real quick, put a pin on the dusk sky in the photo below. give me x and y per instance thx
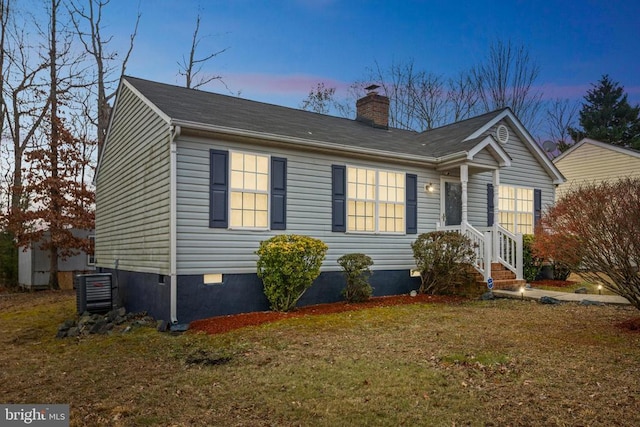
(279, 50)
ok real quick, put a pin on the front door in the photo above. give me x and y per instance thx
(452, 209)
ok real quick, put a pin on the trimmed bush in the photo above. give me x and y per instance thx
(444, 260)
(357, 273)
(531, 264)
(288, 264)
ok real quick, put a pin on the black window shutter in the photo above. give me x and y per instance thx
(490, 207)
(338, 198)
(278, 193)
(537, 206)
(218, 189)
(411, 187)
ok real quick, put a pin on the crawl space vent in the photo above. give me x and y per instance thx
(502, 133)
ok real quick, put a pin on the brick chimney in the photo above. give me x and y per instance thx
(373, 109)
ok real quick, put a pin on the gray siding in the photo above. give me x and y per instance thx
(524, 171)
(132, 190)
(204, 250)
(485, 158)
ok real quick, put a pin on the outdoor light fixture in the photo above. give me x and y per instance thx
(522, 292)
(428, 188)
(600, 289)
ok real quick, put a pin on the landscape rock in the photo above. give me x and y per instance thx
(103, 324)
(589, 302)
(487, 296)
(581, 290)
(549, 300)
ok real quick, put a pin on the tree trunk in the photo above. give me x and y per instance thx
(54, 191)
(53, 268)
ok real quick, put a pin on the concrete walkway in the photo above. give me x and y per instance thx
(536, 294)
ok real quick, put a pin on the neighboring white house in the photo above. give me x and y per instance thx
(591, 161)
(34, 264)
(190, 182)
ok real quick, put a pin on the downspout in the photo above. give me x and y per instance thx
(173, 212)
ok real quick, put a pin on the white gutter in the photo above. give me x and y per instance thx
(173, 214)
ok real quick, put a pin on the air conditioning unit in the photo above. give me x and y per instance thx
(94, 292)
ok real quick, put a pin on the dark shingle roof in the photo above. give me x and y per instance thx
(213, 109)
(451, 138)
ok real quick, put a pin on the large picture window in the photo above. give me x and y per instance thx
(375, 200)
(516, 209)
(249, 190)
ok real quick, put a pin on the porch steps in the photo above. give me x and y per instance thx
(503, 278)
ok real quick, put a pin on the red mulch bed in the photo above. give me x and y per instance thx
(222, 324)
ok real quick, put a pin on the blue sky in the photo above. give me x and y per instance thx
(279, 50)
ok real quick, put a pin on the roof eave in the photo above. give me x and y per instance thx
(546, 163)
(316, 145)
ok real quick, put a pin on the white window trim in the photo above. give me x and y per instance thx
(89, 256)
(376, 202)
(232, 189)
(515, 212)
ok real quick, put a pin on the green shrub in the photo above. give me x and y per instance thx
(288, 264)
(531, 264)
(444, 260)
(8, 260)
(561, 271)
(357, 273)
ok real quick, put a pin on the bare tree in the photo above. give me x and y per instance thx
(417, 99)
(88, 25)
(561, 115)
(191, 67)
(56, 198)
(462, 97)
(24, 102)
(428, 94)
(5, 6)
(506, 79)
(320, 99)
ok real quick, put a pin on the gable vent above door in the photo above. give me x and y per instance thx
(502, 134)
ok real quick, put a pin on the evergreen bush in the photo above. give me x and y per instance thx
(357, 273)
(531, 264)
(288, 264)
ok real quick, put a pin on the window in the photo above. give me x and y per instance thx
(375, 201)
(91, 258)
(516, 209)
(249, 190)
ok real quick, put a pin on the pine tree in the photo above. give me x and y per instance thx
(607, 116)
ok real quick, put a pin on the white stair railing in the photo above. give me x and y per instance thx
(508, 250)
(481, 244)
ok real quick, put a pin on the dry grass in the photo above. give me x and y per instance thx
(578, 282)
(504, 362)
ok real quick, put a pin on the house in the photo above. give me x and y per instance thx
(189, 183)
(34, 264)
(591, 161)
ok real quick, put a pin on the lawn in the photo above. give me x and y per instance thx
(574, 282)
(502, 362)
